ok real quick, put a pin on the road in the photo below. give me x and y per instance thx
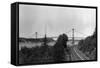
(76, 54)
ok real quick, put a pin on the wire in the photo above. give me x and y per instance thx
(68, 31)
(81, 33)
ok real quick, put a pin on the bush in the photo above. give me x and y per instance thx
(88, 46)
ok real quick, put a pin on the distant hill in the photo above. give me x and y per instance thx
(22, 39)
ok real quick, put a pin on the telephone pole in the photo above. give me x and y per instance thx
(45, 37)
(73, 36)
(36, 34)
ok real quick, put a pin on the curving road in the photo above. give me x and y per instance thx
(76, 54)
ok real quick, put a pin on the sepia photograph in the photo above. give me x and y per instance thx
(56, 34)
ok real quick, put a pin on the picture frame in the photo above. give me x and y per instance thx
(25, 14)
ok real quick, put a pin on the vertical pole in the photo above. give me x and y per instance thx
(73, 36)
(45, 38)
(36, 34)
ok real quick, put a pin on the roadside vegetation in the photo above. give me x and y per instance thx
(88, 46)
(44, 53)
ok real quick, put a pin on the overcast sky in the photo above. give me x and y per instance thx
(56, 20)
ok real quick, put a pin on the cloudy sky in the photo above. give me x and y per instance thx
(56, 20)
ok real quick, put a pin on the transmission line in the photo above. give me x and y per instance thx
(81, 33)
(68, 31)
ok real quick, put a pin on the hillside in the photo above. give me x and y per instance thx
(21, 39)
(89, 45)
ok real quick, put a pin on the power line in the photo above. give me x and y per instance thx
(68, 31)
(81, 33)
(37, 35)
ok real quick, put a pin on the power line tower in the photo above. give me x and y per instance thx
(73, 36)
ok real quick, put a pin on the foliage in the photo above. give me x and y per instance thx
(35, 54)
(88, 46)
(44, 53)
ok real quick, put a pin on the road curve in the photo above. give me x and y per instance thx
(77, 55)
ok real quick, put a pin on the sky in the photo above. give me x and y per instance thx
(54, 21)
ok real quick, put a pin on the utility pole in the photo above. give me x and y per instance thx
(73, 36)
(45, 37)
(36, 34)
(45, 40)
